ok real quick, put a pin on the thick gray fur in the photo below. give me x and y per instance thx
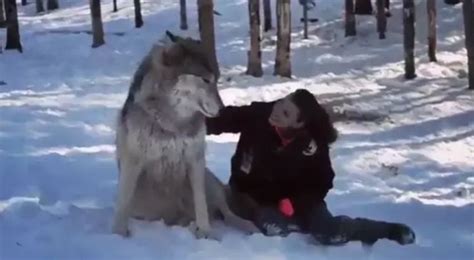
(161, 143)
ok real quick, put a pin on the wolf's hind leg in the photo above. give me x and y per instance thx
(218, 194)
(129, 172)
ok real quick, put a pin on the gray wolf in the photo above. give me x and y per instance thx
(161, 142)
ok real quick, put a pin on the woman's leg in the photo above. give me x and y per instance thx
(269, 220)
(242, 204)
(329, 229)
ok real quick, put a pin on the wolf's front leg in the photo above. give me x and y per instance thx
(129, 172)
(196, 171)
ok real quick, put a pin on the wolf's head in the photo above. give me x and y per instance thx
(184, 62)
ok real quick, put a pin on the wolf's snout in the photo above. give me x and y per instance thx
(212, 105)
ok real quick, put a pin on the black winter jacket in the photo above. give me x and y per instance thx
(262, 168)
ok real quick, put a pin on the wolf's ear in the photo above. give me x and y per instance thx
(172, 37)
(169, 56)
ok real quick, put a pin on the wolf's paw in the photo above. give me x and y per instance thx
(121, 230)
(205, 233)
(249, 228)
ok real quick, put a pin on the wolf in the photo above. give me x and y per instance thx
(160, 143)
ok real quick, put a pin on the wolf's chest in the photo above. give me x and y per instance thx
(176, 149)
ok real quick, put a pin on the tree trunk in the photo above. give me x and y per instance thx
(138, 14)
(381, 18)
(13, 29)
(184, 18)
(282, 59)
(409, 38)
(3, 21)
(115, 6)
(305, 18)
(350, 19)
(267, 14)
(39, 6)
(468, 10)
(254, 66)
(206, 31)
(97, 28)
(24, 2)
(363, 7)
(431, 9)
(52, 4)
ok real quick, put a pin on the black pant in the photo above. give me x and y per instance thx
(317, 220)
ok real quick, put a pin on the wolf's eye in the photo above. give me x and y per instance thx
(206, 80)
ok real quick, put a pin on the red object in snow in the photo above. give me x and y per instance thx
(286, 207)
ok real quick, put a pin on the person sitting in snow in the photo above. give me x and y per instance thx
(281, 172)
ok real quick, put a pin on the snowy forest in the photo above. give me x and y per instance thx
(396, 78)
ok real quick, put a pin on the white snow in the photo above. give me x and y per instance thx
(57, 111)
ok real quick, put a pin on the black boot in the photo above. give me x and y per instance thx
(402, 234)
(369, 231)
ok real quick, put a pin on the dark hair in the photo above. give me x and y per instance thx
(315, 117)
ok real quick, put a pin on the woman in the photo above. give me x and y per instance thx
(281, 172)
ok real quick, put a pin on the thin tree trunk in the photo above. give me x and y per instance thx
(184, 18)
(97, 28)
(13, 29)
(3, 21)
(468, 11)
(39, 6)
(254, 66)
(24, 2)
(115, 6)
(381, 18)
(305, 18)
(52, 5)
(431, 9)
(409, 38)
(267, 14)
(363, 7)
(350, 19)
(206, 31)
(138, 14)
(282, 59)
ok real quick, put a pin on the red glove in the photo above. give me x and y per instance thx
(286, 207)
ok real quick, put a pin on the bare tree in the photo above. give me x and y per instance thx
(468, 11)
(39, 6)
(267, 15)
(138, 14)
(282, 59)
(97, 27)
(52, 5)
(350, 19)
(381, 18)
(254, 66)
(431, 9)
(206, 31)
(115, 6)
(305, 19)
(3, 21)
(409, 38)
(363, 7)
(183, 16)
(13, 29)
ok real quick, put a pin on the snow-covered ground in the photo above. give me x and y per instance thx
(57, 111)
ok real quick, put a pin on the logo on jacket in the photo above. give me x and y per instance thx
(311, 148)
(246, 164)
